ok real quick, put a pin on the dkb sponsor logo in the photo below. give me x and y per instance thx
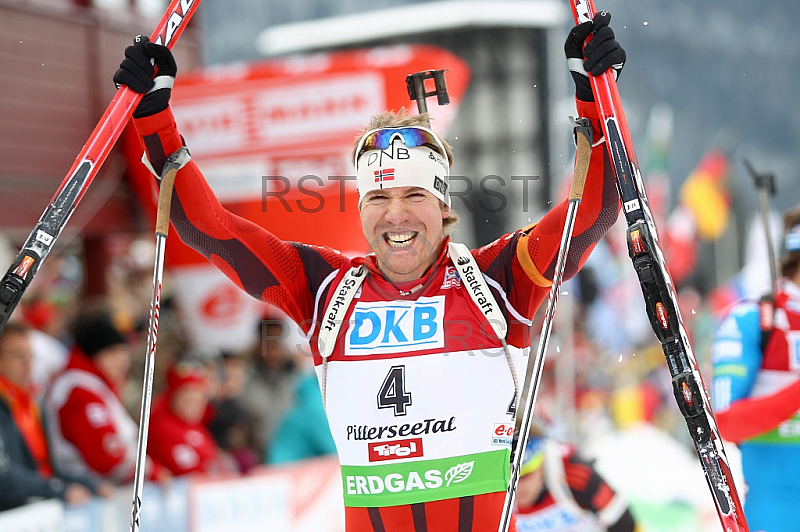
(397, 326)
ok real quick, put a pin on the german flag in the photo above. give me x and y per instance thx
(705, 194)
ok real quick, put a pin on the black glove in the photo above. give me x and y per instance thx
(136, 71)
(600, 54)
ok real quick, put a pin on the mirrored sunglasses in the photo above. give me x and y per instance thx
(412, 137)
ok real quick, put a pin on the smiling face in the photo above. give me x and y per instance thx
(403, 226)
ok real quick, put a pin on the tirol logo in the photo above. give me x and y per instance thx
(663, 317)
(503, 434)
(393, 450)
(397, 326)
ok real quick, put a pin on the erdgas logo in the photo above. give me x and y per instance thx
(408, 482)
(397, 326)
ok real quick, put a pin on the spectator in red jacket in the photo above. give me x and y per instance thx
(178, 438)
(89, 429)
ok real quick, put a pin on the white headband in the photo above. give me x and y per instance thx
(399, 166)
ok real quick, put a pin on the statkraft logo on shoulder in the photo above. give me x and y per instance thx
(396, 326)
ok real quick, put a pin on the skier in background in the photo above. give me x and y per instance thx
(559, 491)
(412, 427)
(756, 392)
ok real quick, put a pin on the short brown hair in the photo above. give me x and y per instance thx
(403, 118)
(790, 262)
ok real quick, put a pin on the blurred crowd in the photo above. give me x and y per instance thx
(71, 388)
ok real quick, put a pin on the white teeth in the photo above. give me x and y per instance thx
(400, 239)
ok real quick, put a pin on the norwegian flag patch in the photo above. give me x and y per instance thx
(384, 174)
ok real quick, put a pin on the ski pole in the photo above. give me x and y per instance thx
(583, 138)
(659, 295)
(84, 169)
(175, 162)
(765, 184)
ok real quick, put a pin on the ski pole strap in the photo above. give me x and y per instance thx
(477, 287)
(175, 162)
(583, 141)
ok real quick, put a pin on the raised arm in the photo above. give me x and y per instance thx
(599, 206)
(597, 212)
(532, 264)
(285, 274)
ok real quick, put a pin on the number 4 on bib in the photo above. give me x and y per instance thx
(393, 391)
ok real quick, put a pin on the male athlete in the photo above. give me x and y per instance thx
(756, 356)
(418, 344)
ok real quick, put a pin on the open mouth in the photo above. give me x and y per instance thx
(400, 240)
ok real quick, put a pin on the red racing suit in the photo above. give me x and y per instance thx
(393, 442)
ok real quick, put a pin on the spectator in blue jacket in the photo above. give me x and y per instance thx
(303, 431)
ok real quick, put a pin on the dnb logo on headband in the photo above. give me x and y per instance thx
(439, 185)
(394, 153)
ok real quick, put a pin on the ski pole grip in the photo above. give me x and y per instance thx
(583, 141)
(165, 201)
(175, 162)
